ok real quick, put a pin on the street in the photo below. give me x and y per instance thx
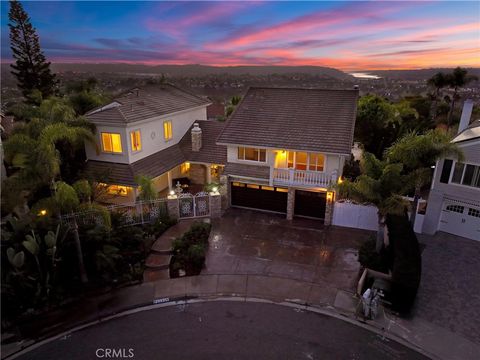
(223, 330)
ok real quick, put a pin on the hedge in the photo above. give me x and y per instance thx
(407, 262)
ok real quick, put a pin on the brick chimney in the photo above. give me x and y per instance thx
(196, 137)
(466, 115)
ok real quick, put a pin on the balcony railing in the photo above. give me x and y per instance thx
(303, 177)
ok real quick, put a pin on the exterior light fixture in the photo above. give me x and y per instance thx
(172, 192)
(215, 189)
(329, 196)
(42, 212)
(340, 180)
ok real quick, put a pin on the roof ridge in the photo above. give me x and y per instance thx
(296, 88)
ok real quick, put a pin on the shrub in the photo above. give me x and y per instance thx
(160, 225)
(370, 258)
(189, 250)
(407, 262)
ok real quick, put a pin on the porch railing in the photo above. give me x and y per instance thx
(303, 177)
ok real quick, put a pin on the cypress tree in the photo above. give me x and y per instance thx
(31, 69)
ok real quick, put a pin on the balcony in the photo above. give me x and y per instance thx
(292, 177)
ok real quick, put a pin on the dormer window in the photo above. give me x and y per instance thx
(135, 140)
(111, 143)
(252, 154)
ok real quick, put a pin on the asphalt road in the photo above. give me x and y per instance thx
(223, 330)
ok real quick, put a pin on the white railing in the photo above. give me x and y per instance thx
(303, 177)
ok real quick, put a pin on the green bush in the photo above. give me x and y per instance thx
(159, 226)
(370, 258)
(190, 250)
(407, 263)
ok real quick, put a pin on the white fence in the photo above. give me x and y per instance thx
(355, 216)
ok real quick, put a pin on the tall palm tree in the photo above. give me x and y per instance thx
(147, 190)
(437, 81)
(418, 153)
(381, 184)
(456, 80)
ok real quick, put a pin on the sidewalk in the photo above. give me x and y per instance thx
(432, 339)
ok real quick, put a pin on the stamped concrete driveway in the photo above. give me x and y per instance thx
(449, 293)
(251, 242)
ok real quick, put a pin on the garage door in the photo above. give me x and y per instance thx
(260, 197)
(310, 204)
(460, 219)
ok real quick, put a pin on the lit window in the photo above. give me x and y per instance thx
(269, 188)
(184, 168)
(167, 130)
(238, 184)
(316, 162)
(281, 189)
(252, 154)
(135, 140)
(115, 189)
(253, 186)
(301, 161)
(111, 142)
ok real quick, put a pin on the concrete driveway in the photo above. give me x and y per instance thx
(449, 293)
(251, 242)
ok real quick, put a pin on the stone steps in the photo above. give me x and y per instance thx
(158, 261)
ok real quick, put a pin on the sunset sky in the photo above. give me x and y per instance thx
(345, 35)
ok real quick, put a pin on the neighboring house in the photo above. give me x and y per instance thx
(454, 199)
(287, 147)
(215, 111)
(150, 131)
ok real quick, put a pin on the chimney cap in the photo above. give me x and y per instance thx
(196, 127)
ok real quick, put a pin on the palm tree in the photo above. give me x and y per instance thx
(437, 81)
(147, 190)
(457, 79)
(381, 184)
(418, 153)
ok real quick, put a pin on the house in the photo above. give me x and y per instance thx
(282, 150)
(157, 131)
(454, 199)
(286, 148)
(215, 111)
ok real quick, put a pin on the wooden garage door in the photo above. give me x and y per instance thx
(259, 197)
(310, 204)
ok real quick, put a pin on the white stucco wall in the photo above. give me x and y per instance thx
(152, 138)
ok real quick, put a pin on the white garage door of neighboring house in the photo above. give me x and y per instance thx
(461, 219)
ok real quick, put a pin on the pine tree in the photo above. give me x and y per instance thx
(31, 68)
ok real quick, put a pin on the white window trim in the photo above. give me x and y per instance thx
(308, 161)
(141, 141)
(171, 127)
(253, 161)
(463, 174)
(110, 152)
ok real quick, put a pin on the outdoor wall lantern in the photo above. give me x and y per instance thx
(329, 196)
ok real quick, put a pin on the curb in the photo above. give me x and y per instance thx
(184, 300)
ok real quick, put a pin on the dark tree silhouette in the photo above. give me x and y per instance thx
(31, 69)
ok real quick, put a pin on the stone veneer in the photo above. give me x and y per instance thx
(328, 213)
(196, 137)
(290, 203)
(215, 206)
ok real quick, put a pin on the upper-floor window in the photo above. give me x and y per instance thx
(252, 154)
(111, 142)
(136, 140)
(466, 174)
(167, 130)
(305, 161)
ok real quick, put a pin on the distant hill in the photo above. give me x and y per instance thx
(420, 74)
(200, 70)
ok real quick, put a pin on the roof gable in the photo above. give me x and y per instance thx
(291, 118)
(145, 103)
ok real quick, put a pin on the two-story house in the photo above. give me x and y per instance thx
(286, 148)
(454, 200)
(159, 131)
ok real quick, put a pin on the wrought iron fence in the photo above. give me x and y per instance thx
(141, 212)
(194, 205)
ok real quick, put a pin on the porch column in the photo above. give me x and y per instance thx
(290, 203)
(209, 173)
(329, 208)
(173, 207)
(270, 179)
(169, 179)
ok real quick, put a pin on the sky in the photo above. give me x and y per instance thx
(344, 35)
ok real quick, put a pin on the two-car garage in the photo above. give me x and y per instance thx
(271, 198)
